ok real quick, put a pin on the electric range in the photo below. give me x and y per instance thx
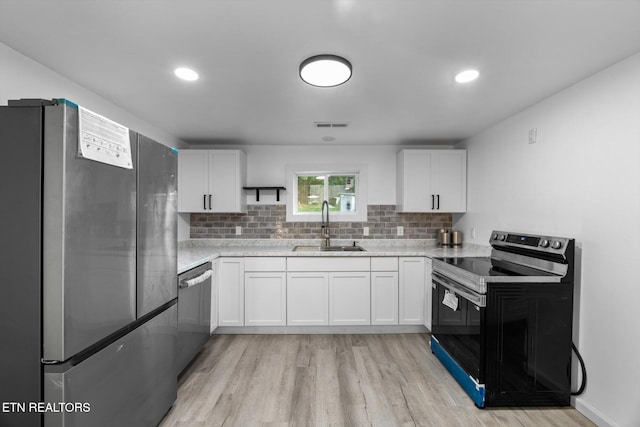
(502, 324)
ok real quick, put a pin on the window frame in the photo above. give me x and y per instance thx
(360, 173)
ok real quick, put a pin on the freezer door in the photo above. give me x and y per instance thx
(157, 225)
(131, 382)
(89, 241)
(20, 210)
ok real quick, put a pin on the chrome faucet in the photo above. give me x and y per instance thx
(324, 229)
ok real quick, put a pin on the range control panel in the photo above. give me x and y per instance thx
(540, 243)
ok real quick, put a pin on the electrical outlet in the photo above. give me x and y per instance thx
(365, 231)
(473, 232)
(533, 135)
(238, 230)
(400, 230)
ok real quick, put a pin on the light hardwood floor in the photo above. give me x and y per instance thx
(360, 380)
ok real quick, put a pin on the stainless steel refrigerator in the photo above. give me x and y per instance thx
(88, 314)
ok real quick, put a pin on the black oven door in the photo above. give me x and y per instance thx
(457, 323)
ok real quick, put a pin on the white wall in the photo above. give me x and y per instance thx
(21, 77)
(266, 165)
(580, 179)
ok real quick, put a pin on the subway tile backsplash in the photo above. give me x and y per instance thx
(269, 222)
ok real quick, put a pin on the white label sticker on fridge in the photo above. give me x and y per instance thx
(103, 140)
(450, 300)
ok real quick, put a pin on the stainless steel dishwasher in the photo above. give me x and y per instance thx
(194, 312)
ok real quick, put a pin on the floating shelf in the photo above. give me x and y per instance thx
(277, 189)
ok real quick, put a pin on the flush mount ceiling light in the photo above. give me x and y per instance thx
(186, 74)
(467, 76)
(325, 70)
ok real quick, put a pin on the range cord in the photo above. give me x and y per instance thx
(584, 372)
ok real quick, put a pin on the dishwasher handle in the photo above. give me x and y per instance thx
(196, 280)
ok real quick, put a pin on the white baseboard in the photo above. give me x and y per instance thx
(593, 414)
(232, 330)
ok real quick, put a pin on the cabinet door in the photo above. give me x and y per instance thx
(231, 292)
(265, 299)
(193, 189)
(450, 180)
(307, 299)
(414, 181)
(411, 290)
(225, 183)
(427, 293)
(384, 298)
(431, 181)
(214, 296)
(350, 298)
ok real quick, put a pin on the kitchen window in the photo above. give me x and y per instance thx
(343, 189)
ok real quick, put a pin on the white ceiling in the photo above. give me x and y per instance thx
(405, 54)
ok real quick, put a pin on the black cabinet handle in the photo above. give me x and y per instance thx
(210, 202)
(438, 202)
(433, 204)
(204, 202)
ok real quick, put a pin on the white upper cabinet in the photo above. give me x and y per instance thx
(211, 181)
(431, 181)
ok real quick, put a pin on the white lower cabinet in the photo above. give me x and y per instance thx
(265, 299)
(214, 295)
(321, 291)
(307, 299)
(384, 297)
(231, 291)
(411, 278)
(349, 298)
(384, 290)
(427, 293)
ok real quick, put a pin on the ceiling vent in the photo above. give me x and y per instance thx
(325, 125)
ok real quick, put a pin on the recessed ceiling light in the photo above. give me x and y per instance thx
(325, 70)
(328, 138)
(467, 76)
(186, 74)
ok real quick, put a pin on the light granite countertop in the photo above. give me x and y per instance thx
(192, 253)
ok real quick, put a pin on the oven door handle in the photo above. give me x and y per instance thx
(479, 300)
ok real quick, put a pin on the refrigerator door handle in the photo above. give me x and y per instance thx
(196, 280)
(210, 202)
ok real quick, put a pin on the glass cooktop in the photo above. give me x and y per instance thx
(488, 267)
(476, 272)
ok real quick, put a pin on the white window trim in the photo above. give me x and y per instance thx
(319, 169)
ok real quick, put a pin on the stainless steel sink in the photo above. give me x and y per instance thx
(328, 249)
